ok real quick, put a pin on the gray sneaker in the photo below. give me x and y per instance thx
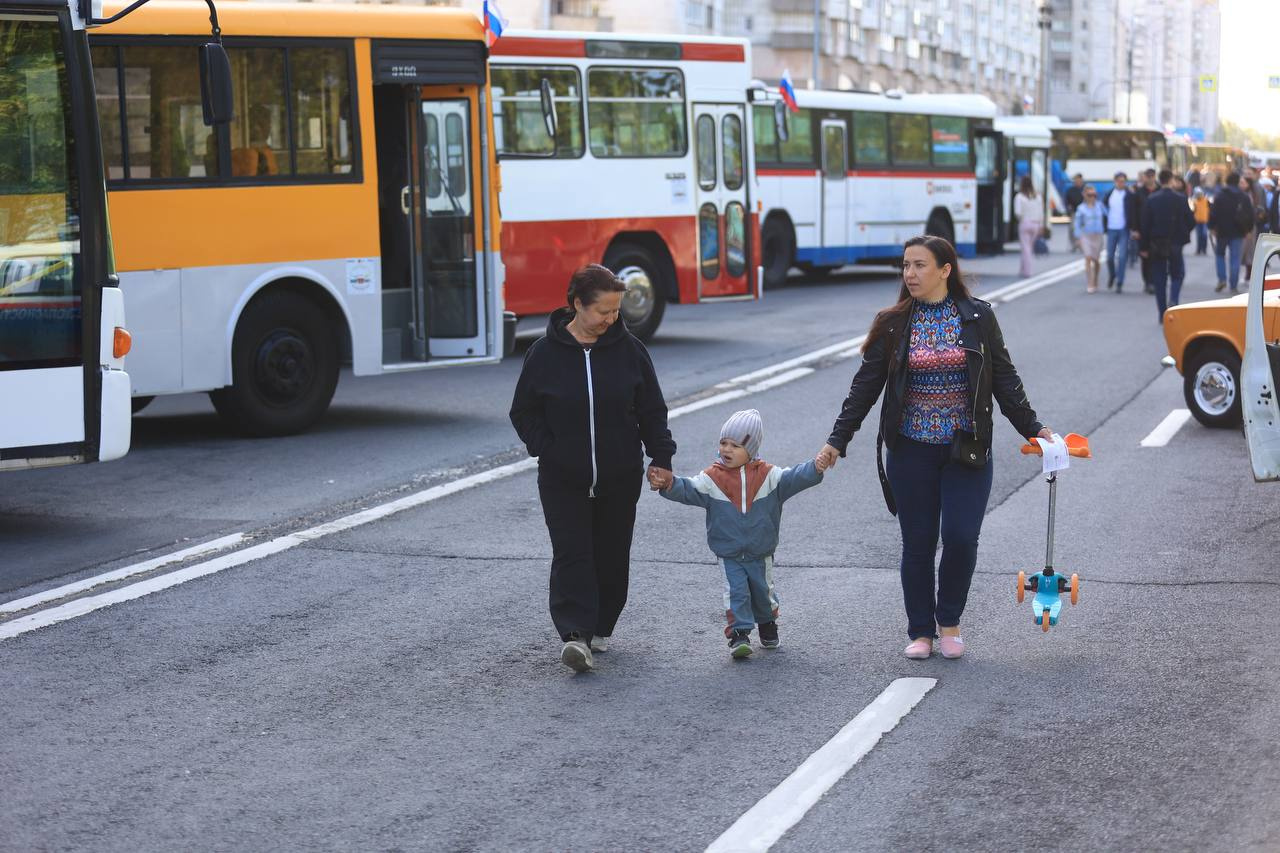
(577, 656)
(599, 644)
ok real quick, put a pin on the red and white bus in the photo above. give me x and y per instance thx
(650, 171)
(859, 173)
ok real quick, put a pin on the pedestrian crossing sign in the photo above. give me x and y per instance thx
(1208, 82)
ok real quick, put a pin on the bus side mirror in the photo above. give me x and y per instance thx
(215, 85)
(549, 117)
(781, 124)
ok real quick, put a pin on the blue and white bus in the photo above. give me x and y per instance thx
(859, 173)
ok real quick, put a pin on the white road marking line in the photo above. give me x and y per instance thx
(1167, 429)
(772, 376)
(783, 807)
(202, 550)
(1031, 285)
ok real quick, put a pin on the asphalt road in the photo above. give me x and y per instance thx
(396, 686)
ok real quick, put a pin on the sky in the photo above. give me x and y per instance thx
(1246, 63)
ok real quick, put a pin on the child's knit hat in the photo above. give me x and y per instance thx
(745, 428)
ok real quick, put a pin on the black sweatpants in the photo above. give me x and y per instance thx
(591, 553)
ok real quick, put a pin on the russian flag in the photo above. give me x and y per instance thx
(494, 22)
(788, 91)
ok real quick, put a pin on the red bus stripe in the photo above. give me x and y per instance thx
(886, 173)
(713, 52)
(577, 48)
(524, 46)
(789, 173)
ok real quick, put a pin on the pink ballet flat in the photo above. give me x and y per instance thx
(952, 647)
(919, 649)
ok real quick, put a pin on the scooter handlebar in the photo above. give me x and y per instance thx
(1077, 445)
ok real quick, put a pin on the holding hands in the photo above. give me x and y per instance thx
(660, 479)
(826, 458)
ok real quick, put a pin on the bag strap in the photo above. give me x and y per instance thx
(884, 478)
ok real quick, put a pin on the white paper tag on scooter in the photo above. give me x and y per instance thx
(1055, 456)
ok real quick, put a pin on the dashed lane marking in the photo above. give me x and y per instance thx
(783, 807)
(1168, 428)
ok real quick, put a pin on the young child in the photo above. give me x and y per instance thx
(743, 497)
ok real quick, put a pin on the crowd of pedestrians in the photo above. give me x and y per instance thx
(1147, 224)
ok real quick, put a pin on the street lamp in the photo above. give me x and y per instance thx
(1045, 23)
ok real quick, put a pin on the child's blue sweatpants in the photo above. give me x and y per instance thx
(749, 598)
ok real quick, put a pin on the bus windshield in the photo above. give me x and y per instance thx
(1110, 145)
(39, 221)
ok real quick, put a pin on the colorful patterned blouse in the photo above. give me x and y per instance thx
(937, 400)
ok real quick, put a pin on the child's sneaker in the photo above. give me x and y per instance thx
(740, 644)
(769, 635)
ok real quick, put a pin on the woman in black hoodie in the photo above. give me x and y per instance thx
(586, 399)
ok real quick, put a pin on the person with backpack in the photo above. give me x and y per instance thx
(1166, 227)
(1230, 219)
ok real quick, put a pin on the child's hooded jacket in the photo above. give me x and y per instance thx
(744, 505)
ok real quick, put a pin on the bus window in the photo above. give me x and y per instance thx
(39, 202)
(259, 138)
(731, 137)
(910, 134)
(833, 165)
(871, 139)
(106, 84)
(636, 112)
(950, 141)
(766, 134)
(434, 184)
(167, 136)
(735, 239)
(705, 148)
(321, 91)
(798, 149)
(709, 241)
(519, 125)
(456, 156)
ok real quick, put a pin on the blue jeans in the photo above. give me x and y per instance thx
(749, 598)
(936, 496)
(1233, 246)
(1169, 272)
(1117, 253)
(1202, 238)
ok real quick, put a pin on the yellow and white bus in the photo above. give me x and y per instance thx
(347, 214)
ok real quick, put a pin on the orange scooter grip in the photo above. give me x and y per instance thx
(1077, 445)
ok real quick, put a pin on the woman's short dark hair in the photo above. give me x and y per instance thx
(590, 281)
(1026, 186)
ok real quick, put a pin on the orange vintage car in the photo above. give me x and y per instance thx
(1206, 343)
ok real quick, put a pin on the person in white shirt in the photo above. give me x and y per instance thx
(1118, 204)
(1029, 208)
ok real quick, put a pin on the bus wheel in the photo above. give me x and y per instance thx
(140, 403)
(778, 247)
(284, 367)
(939, 225)
(646, 298)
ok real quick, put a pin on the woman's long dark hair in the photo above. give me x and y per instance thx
(944, 253)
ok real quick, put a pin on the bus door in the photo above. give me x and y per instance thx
(720, 160)
(988, 159)
(449, 300)
(835, 188)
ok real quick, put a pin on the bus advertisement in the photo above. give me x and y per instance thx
(858, 173)
(651, 171)
(347, 215)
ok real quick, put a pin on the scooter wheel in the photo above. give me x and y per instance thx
(1022, 586)
(1044, 620)
(1075, 589)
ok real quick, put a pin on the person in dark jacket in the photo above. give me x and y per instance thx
(1145, 190)
(938, 357)
(586, 400)
(1167, 224)
(1229, 218)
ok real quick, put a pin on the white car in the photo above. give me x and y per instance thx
(1260, 372)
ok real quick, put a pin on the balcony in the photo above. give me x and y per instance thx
(791, 41)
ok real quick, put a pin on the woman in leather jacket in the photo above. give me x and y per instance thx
(939, 358)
